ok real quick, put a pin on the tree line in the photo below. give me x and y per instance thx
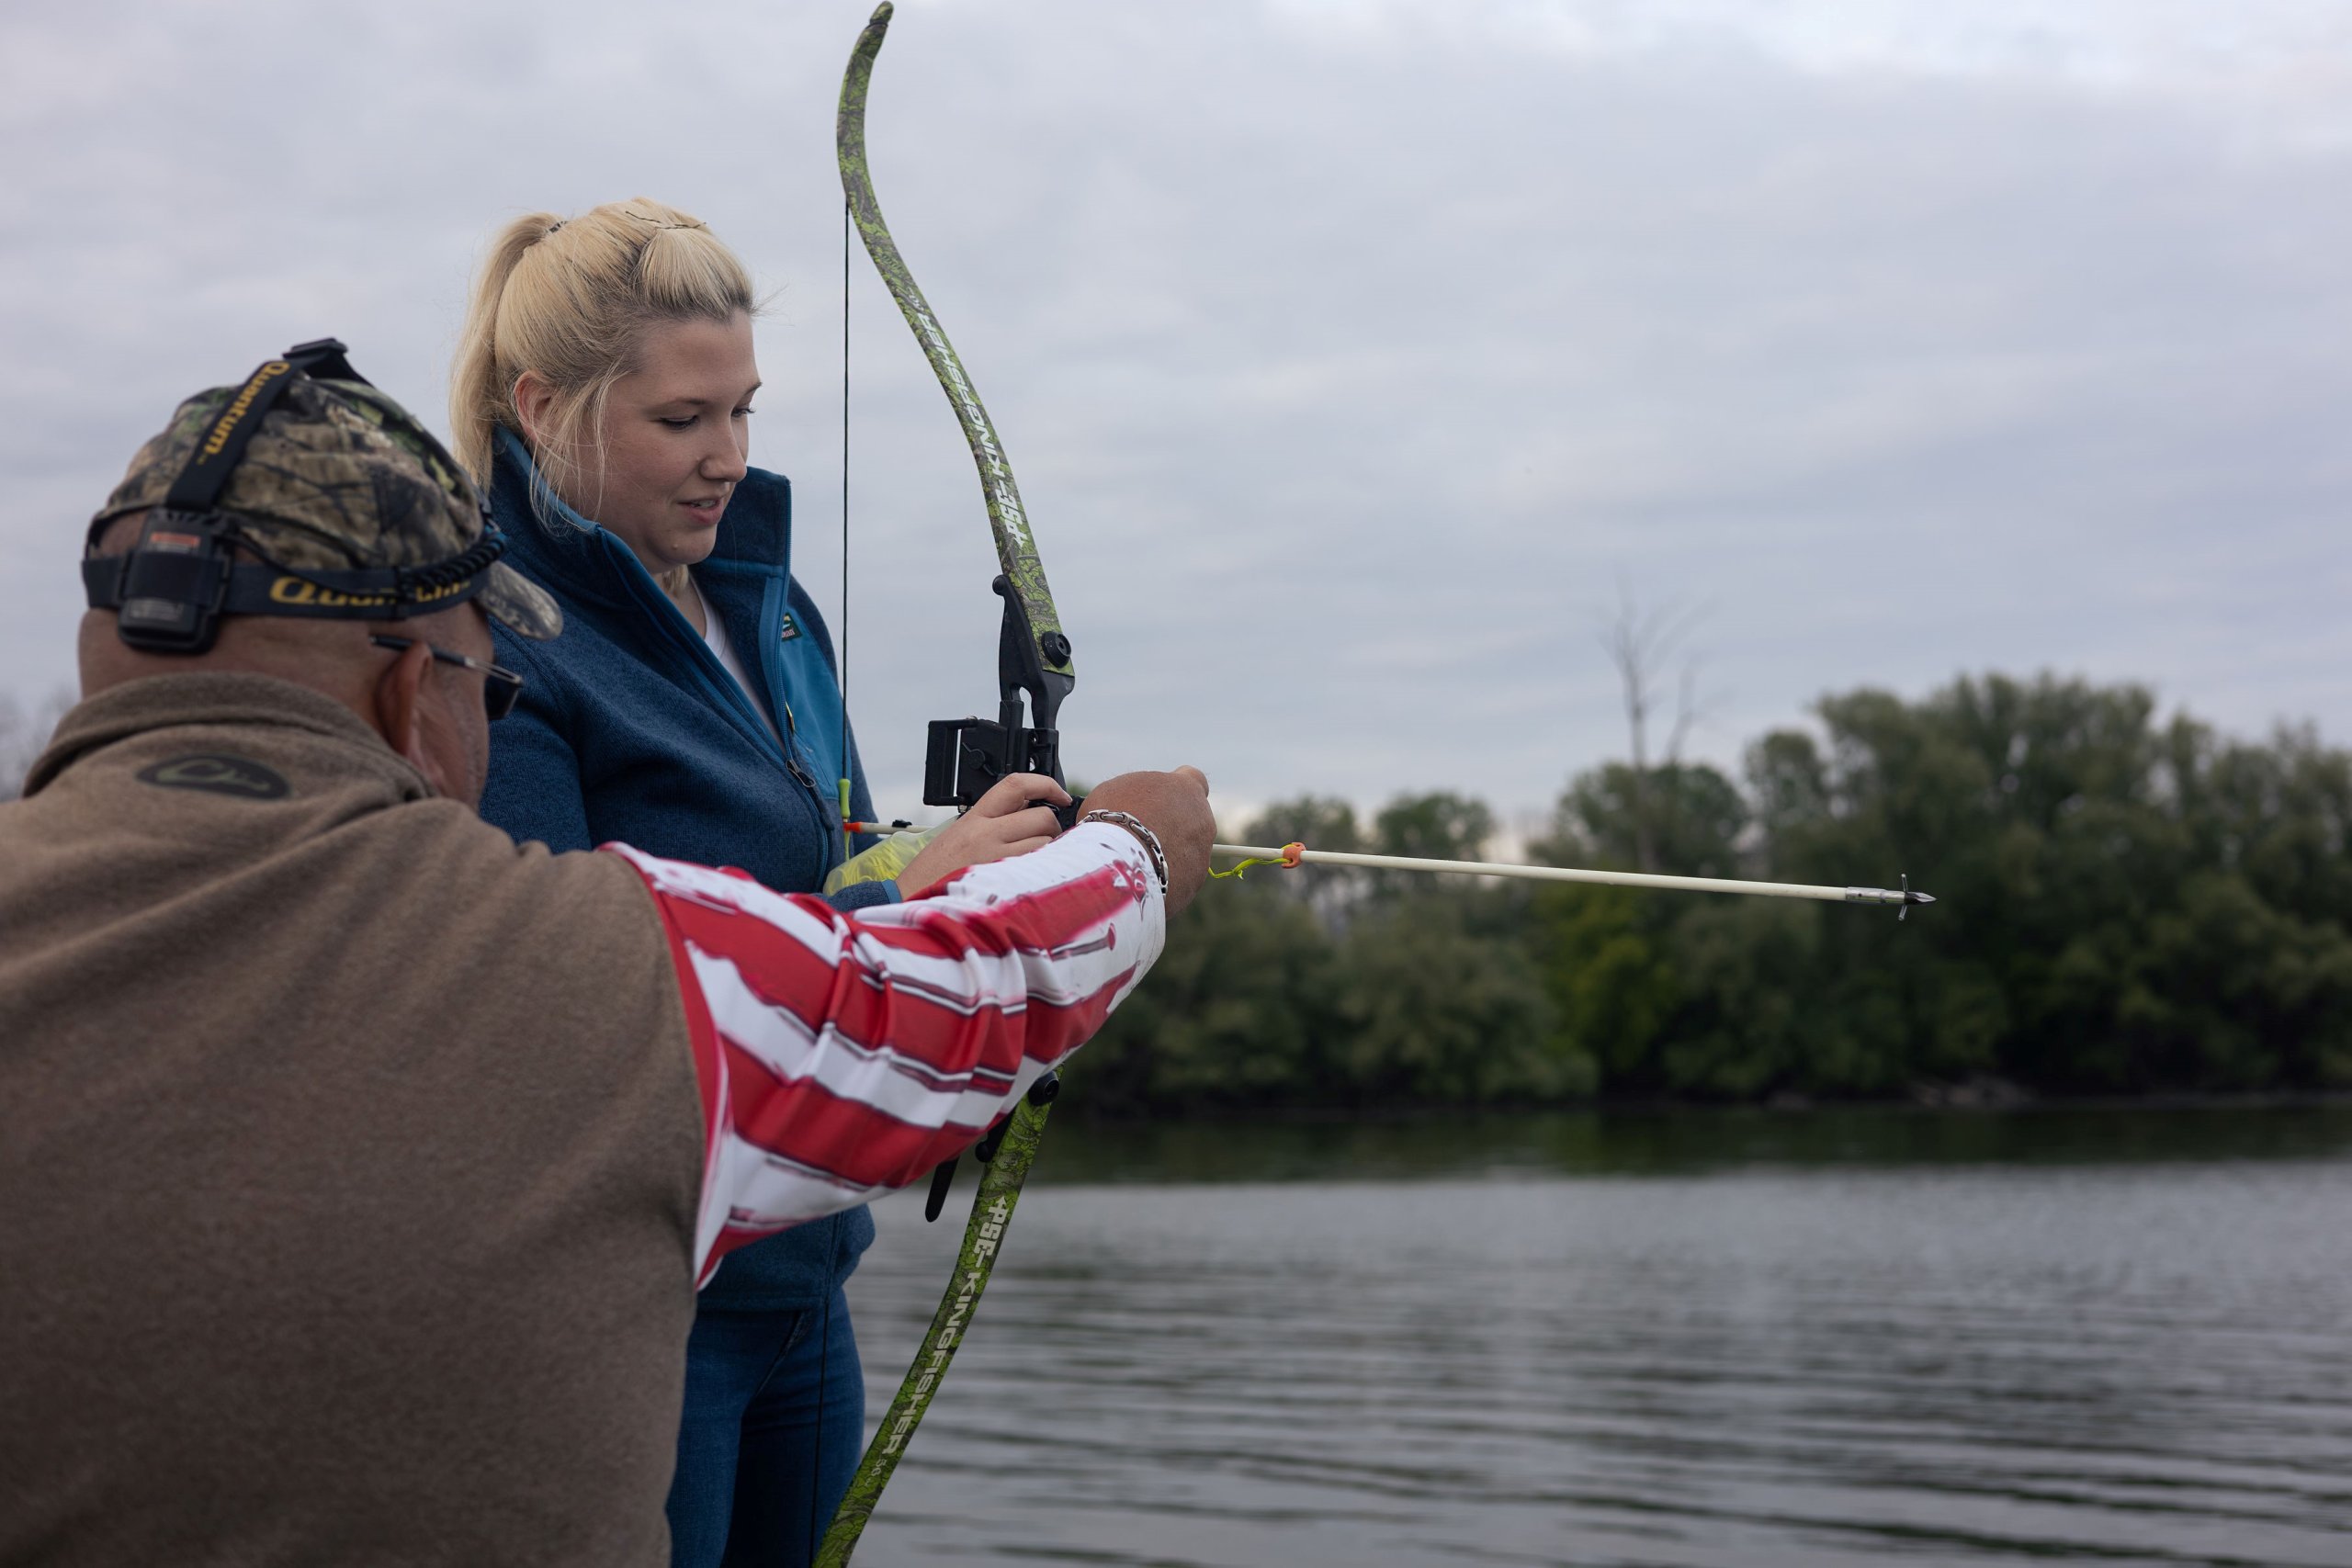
(2125, 906)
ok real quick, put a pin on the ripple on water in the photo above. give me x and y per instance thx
(2124, 1364)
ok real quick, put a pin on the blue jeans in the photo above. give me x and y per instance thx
(775, 1413)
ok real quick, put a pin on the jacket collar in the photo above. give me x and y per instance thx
(167, 702)
(573, 555)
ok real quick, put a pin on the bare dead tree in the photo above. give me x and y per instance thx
(1640, 643)
(1691, 705)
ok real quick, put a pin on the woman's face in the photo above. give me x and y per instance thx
(676, 437)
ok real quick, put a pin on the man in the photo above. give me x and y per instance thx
(357, 1165)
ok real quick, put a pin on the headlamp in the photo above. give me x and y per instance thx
(171, 590)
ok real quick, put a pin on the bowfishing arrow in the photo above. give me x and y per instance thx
(962, 758)
(1293, 855)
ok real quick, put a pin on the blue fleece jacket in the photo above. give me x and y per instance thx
(630, 728)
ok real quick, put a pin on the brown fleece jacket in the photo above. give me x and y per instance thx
(348, 1158)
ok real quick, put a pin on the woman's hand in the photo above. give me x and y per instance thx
(1000, 824)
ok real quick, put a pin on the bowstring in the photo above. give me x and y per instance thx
(825, 1341)
(847, 843)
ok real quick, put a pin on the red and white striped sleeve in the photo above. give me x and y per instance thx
(840, 1056)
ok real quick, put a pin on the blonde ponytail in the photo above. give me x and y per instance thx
(567, 297)
(479, 399)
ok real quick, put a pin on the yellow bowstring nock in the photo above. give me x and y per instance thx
(1287, 860)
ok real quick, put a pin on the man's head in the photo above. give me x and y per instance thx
(280, 527)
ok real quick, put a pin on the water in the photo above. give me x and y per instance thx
(1685, 1339)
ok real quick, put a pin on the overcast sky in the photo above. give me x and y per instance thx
(1349, 355)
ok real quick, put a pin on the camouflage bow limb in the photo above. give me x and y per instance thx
(1049, 678)
(983, 1236)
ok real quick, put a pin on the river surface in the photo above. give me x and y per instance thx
(1687, 1340)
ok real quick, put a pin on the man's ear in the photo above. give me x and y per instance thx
(399, 714)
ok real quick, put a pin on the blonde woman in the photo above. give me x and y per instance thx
(603, 396)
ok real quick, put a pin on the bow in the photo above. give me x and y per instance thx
(962, 758)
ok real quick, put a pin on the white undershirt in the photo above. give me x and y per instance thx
(715, 634)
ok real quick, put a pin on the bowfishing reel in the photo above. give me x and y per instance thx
(965, 756)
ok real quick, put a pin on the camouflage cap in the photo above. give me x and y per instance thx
(338, 477)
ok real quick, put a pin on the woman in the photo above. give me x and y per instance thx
(603, 396)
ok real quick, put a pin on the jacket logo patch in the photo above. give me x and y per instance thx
(790, 629)
(218, 774)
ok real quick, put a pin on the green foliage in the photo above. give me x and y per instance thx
(2125, 906)
(1439, 1015)
(1318, 820)
(1696, 819)
(1433, 826)
(1237, 1011)
(1612, 988)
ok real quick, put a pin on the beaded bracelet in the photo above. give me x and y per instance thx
(1151, 839)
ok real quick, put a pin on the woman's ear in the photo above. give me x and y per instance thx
(533, 399)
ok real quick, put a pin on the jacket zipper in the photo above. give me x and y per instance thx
(792, 755)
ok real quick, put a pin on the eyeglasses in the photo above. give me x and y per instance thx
(500, 686)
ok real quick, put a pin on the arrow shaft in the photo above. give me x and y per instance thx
(1819, 892)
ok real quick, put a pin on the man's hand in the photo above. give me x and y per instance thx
(1175, 806)
(1000, 823)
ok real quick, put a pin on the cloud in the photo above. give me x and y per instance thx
(1348, 354)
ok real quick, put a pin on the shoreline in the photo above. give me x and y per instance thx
(2022, 1103)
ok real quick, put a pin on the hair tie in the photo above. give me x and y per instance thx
(658, 224)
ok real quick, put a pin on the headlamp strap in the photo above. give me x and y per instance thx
(199, 484)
